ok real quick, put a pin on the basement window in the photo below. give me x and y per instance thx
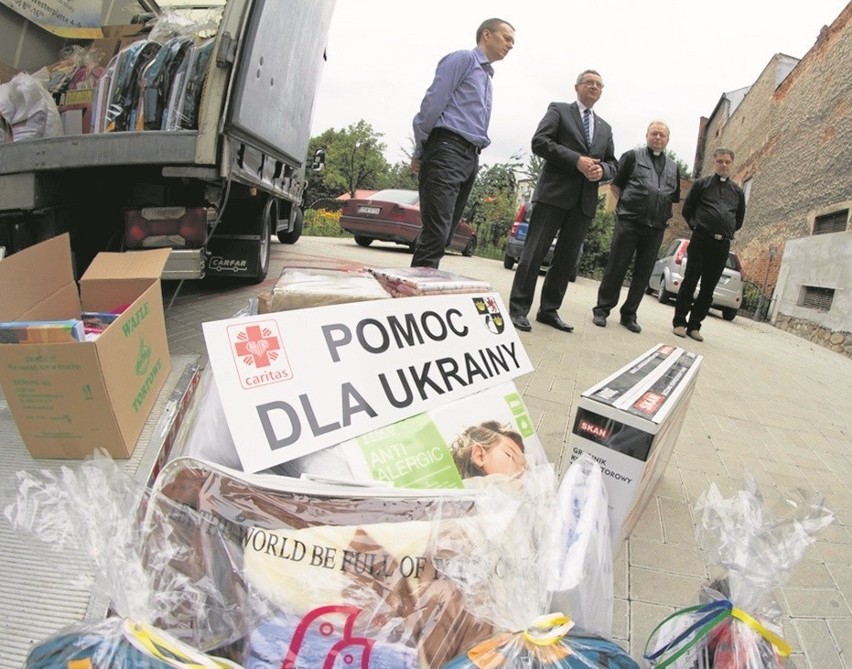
(833, 222)
(819, 299)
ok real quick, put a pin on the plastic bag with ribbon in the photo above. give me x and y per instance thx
(736, 624)
(568, 562)
(117, 643)
(161, 611)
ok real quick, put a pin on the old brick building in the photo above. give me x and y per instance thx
(792, 134)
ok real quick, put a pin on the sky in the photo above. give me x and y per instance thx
(659, 59)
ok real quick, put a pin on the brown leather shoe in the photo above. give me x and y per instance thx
(680, 331)
(695, 334)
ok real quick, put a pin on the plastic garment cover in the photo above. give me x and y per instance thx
(94, 509)
(28, 108)
(737, 623)
(547, 643)
(124, 86)
(155, 83)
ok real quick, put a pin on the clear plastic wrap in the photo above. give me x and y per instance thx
(117, 643)
(94, 509)
(406, 577)
(582, 584)
(737, 623)
(568, 563)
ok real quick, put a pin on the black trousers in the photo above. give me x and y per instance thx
(545, 221)
(630, 241)
(447, 172)
(706, 258)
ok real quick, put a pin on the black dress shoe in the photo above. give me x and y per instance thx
(631, 325)
(554, 321)
(599, 319)
(521, 323)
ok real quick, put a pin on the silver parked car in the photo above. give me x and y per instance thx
(668, 271)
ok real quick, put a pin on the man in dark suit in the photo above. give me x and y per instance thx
(578, 153)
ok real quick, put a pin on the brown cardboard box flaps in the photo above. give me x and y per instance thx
(69, 399)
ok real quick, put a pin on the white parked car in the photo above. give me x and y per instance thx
(668, 271)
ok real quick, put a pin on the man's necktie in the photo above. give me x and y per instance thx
(587, 125)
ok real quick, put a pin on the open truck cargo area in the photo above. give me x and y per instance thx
(217, 170)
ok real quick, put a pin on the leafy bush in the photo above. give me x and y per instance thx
(323, 223)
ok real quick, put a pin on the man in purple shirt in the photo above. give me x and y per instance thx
(450, 131)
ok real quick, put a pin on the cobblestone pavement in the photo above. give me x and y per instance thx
(766, 403)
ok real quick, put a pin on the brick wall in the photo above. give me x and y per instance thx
(793, 141)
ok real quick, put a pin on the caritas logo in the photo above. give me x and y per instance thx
(259, 354)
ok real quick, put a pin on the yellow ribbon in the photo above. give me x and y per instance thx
(164, 647)
(556, 626)
(784, 648)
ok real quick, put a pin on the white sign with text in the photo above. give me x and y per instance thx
(294, 382)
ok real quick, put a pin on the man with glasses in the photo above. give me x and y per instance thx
(450, 131)
(578, 151)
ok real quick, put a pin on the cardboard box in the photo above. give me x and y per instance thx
(629, 423)
(69, 399)
(113, 38)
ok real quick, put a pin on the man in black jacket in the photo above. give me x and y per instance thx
(578, 153)
(646, 185)
(714, 209)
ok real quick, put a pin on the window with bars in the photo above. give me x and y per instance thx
(819, 299)
(833, 222)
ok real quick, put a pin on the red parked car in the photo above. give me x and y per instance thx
(393, 215)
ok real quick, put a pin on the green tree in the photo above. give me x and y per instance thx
(598, 240)
(532, 170)
(317, 189)
(399, 175)
(491, 205)
(682, 167)
(354, 160)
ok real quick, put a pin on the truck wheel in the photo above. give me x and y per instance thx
(270, 213)
(292, 236)
(508, 262)
(363, 241)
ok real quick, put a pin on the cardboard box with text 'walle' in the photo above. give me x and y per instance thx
(629, 423)
(71, 398)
